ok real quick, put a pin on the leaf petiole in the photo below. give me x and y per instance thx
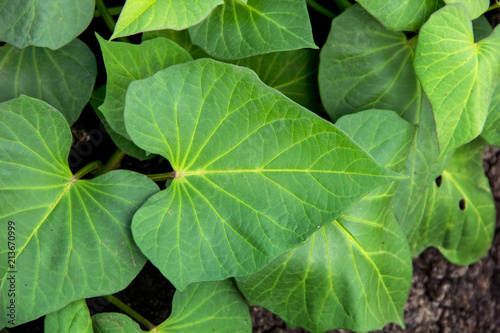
(131, 312)
(112, 163)
(113, 11)
(161, 176)
(494, 6)
(320, 9)
(92, 166)
(106, 16)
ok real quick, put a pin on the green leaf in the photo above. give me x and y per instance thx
(255, 174)
(73, 236)
(459, 214)
(399, 15)
(458, 75)
(180, 37)
(475, 8)
(491, 131)
(294, 73)
(481, 28)
(364, 65)
(127, 146)
(202, 307)
(354, 273)
(63, 78)
(48, 23)
(74, 317)
(127, 62)
(146, 15)
(238, 30)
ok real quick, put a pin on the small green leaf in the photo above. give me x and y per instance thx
(238, 30)
(127, 62)
(146, 15)
(458, 75)
(475, 8)
(364, 65)
(74, 317)
(203, 307)
(491, 131)
(180, 37)
(73, 236)
(294, 73)
(459, 213)
(48, 23)
(255, 173)
(63, 78)
(355, 272)
(399, 15)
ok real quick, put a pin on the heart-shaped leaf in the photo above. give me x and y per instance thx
(74, 317)
(127, 62)
(202, 307)
(238, 30)
(72, 236)
(48, 23)
(146, 15)
(401, 15)
(255, 173)
(64, 78)
(364, 65)
(475, 8)
(458, 75)
(355, 272)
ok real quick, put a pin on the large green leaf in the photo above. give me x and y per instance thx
(127, 62)
(48, 23)
(475, 8)
(459, 212)
(491, 131)
(74, 317)
(294, 73)
(146, 15)
(458, 75)
(238, 30)
(202, 307)
(180, 37)
(401, 15)
(364, 65)
(64, 78)
(255, 174)
(73, 236)
(355, 272)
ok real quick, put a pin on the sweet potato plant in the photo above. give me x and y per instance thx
(303, 176)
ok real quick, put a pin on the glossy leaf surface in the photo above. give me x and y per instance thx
(458, 75)
(202, 307)
(127, 62)
(73, 236)
(64, 78)
(74, 317)
(475, 8)
(355, 272)
(145, 15)
(48, 23)
(255, 174)
(238, 30)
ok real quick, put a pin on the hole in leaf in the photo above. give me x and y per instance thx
(462, 204)
(439, 181)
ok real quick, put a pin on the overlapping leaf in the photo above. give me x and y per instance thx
(255, 174)
(355, 272)
(74, 317)
(48, 23)
(475, 8)
(127, 62)
(364, 65)
(73, 236)
(238, 30)
(146, 15)
(64, 78)
(202, 307)
(180, 37)
(458, 75)
(399, 15)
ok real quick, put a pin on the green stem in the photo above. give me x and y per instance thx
(343, 4)
(131, 312)
(113, 11)
(112, 163)
(88, 168)
(162, 176)
(320, 9)
(108, 19)
(495, 6)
